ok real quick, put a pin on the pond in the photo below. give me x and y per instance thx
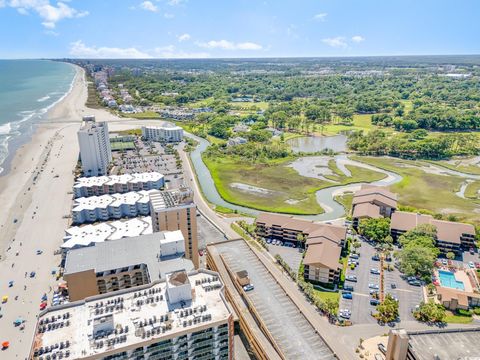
(311, 144)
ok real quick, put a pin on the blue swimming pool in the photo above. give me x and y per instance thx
(447, 279)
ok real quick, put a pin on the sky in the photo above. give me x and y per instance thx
(236, 28)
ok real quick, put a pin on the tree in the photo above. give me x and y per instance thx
(375, 229)
(300, 237)
(450, 255)
(430, 312)
(387, 310)
(331, 306)
(417, 261)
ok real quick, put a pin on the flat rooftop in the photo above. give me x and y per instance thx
(292, 332)
(115, 200)
(78, 236)
(446, 344)
(144, 249)
(161, 200)
(106, 323)
(117, 179)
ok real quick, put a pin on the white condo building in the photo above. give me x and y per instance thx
(164, 133)
(115, 206)
(101, 185)
(182, 316)
(95, 151)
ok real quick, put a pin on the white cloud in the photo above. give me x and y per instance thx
(229, 45)
(149, 6)
(358, 38)
(168, 16)
(174, 2)
(79, 49)
(50, 14)
(336, 42)
(320, 16)
(184, 37)
(170, 52)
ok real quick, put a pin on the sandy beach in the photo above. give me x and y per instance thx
(35, 197)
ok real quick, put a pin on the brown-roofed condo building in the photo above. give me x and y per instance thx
(451, 236)
(175, 210)
(372, 202)
(183, 316)
(323, 243)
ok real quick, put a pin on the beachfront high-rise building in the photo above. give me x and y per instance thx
(95, 151)
(166, 133)
(183, 316)
(121, 264)
(175, 210)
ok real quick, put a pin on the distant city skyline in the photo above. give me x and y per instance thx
(236, 29)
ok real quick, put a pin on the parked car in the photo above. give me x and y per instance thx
(374, 302)
(382, 348)
(373, 286)
(351, 278)
(347, 295)
(376, 257)
(269, 241)
(248, 287)
(393, 285)
(375, 271)
(477, 265)
(471, 264)
(345, 313)
(348, 287)
(354, 256)
(472, 250)
(415, 283)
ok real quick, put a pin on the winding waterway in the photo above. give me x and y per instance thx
(325, 197)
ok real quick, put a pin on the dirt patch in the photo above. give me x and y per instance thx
(253, 189)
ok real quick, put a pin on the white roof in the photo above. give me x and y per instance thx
(78, 236)
(132, 314)
(117, 179)
(172, 236)
(114, 200)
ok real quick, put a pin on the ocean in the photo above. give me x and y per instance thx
(28, 89)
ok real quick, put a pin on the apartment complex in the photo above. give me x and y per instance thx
(323, 243)
(95, 151)
(166, 133)
(175, 210)
(451, 236)
(80, 236)
(122, 264)
(183, 316)
(115, 206)
(117, 184)
(372, 202)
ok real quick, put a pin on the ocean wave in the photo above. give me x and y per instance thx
(5, 128)
(42, 99)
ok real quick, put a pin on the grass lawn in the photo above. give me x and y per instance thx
(285, 190)
(122, 145)
(360, 122)
(452, 318)
(144, 115)
(472, 190)
(249, 106)
(422, 190)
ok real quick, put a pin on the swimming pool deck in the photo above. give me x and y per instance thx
(461, 276)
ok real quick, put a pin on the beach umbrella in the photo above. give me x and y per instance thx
(5, 344)
(18, 321)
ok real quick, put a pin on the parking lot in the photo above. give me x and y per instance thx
(292, 256)
(291, 331)
(409, 296)
(359, 306)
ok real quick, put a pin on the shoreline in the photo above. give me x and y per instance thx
(18, 142)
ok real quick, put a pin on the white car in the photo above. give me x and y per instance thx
(375, 271)
(373, 286)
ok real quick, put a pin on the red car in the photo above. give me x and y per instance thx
(477, 265)
(43, 305)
